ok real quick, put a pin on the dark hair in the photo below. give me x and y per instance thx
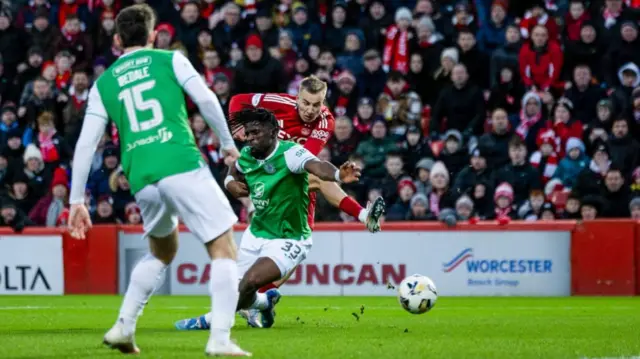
(465, 30)
(516, 141)
(134, 24)
(71, 16)
(395, 76)
(260, 115)
(396, 154)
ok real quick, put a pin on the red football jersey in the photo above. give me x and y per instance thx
(313, 136)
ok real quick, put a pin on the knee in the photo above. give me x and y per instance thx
(250, 283)
(223, 247)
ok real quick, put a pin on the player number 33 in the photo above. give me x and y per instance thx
(292, 250)
(135, 104)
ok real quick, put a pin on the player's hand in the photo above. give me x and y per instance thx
(238, 189)
(79, 221)
(230, 156)
(350, 172)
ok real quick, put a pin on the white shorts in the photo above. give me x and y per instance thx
(286, 253)
(193, 196)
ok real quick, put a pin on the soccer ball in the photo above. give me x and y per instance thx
(417, 294)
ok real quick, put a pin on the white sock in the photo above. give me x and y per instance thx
(261, 302)
(207, 318)
(224, 298)
(362, 217)
(145, 277)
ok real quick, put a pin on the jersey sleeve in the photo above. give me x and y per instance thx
(93, 128)
(296, 157)
(239, 168)
(321, 132)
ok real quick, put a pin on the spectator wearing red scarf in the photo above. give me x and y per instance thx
(63, 62)
(396, 49)
(77, 8)
(545, 159)
(540, 61)
(538, 16)
(76, 42)
(564, 124)
(574, 19)
(52, 146)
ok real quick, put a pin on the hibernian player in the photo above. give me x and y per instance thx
(275, 176)
(142, 93)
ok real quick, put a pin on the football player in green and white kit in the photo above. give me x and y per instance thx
(274, 174)
(142, 93)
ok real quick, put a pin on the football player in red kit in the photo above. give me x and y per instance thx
(306, 120)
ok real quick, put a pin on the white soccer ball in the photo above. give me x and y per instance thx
(417, 294)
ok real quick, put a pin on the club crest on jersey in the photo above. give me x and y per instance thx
(306, 131)
(258, 190)
(269, 168)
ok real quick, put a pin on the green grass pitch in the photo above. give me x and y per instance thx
(336, 327)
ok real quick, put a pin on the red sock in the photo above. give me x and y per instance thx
(267, 287)
(349, 206)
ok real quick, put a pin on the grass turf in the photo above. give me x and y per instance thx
(326, 327)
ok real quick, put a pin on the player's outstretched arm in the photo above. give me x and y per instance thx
(205, 99)
(93, 128)
(299, 160)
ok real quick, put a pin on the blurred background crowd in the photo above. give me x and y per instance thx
(456, 109)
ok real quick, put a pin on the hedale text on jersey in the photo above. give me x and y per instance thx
(133, 75)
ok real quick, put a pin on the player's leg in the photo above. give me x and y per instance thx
(207, 213)
(277, 258)
(370, 216)
(160, 227)
(247, 255)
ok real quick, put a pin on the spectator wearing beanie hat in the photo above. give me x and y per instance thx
(99, 180)
(476, 171)
(104, 211)
(418, 208)
(464, 208)
(34, 169)
(442, 75)
(47, 210)
(258, 72)
(428, 44)
(591, 207)
(422, 175)
(454, 155)
(545, 159)
(336, 31)
(19, 192)
(531, 119)
(548, 212)
(503, 198)
(343, 98)
(590, 180)
(400, 209)
(132, 214)
(396, 49)
(441, 196)
(573, 163)
(563, 123)
(306, 33)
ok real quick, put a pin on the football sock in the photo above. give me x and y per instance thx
(267, 287)
(349, 206)
(224, 298)
(261, 302)
(145, 277)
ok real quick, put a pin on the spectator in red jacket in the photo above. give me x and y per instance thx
(540, 60)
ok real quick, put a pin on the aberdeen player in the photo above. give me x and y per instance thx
(308, 122)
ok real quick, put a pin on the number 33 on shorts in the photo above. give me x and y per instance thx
(291, 250)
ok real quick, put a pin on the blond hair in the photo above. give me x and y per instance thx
(312, 85)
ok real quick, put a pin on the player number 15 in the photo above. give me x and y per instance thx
(135, 104)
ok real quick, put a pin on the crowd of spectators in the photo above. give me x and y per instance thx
(456, 109)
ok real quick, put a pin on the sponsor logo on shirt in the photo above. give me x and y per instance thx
(163, 135)
(320, 135)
